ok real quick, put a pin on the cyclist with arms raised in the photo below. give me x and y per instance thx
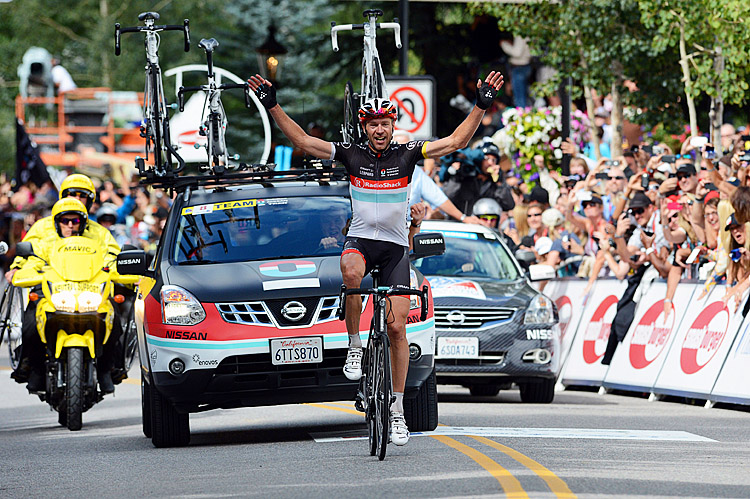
(380, 176)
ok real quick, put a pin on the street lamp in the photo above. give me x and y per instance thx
(270, 55)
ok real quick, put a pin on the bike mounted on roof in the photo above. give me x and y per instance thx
(373, 80)
(155, 126)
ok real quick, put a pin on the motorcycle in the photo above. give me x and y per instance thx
(75, 294)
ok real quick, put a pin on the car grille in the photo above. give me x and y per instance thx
(258, 363)
(475, 317)
(484, 359)
(268, 313)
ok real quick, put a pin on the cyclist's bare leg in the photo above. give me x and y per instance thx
(353, 271)
(399, 346)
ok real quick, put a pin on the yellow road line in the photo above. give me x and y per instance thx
(510, 484)
(342, 409)
(556, 485)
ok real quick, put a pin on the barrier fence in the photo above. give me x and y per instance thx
(699, 348)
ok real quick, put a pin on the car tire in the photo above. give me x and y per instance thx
(421, 412)
(146, 407)
(484, 390)
(538, 392)
(169, 428)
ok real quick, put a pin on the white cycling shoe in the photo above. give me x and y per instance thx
(353, 365)
(399, 430)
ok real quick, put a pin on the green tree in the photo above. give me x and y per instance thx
(713, 58)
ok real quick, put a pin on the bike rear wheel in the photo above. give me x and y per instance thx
(350, 130)
(11, 312)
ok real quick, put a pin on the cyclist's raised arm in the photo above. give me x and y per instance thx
(460, 137)
(267, 96)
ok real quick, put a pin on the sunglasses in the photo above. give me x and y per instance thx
(674, 216)
(532, 215)
(637, 211)
(70, 220)
(586, 204)
(618, 177)
(683, 176)
(75, 193)
(489, 217)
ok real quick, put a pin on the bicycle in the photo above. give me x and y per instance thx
(11, 315)
(215, 125)
(375, 393)
(155, 127)
(373, 80)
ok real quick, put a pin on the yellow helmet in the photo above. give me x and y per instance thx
(69, 206)
(78, 183)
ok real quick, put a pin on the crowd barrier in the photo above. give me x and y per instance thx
(701, 349)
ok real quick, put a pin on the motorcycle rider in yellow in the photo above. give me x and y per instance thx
(78, 188)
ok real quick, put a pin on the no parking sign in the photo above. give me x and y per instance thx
(415, 98)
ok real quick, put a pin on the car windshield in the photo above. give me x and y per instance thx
(468, 254)
(258, 229)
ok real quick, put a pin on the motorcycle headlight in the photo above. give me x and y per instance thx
(64, 301)
(180, 307)
(88, 301)
(539, 311)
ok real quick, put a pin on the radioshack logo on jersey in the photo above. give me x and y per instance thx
(651, 335)
(704, 338)
(287, 268)
(397, 183)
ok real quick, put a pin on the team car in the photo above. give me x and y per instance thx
(239, 306)
(493, 328)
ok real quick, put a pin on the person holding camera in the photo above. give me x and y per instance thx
(468, 175)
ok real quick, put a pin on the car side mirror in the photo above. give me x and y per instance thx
(541, 273)
(24, 249)
(132, 262)
(427, 244)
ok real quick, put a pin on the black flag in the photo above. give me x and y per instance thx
(29, 166)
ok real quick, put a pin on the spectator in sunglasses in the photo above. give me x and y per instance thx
(687, 180)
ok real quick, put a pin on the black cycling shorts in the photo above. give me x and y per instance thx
(392, 258)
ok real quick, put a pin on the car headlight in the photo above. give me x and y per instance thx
(539, 311)
(180, 307)
(88, 301)
(64, 301)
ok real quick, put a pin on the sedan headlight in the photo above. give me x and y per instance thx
(64, 301)
(539, 311)
(180, 307)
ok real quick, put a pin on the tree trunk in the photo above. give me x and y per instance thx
(717, 102)
(616, 117)
(590, 110)
(104, 14)
(685, 65)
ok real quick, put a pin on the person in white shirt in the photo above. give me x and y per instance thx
(61, 78)
(519, 57)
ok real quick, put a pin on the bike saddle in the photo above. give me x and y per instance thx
(148, 15)
(208, 44)
(372, 12)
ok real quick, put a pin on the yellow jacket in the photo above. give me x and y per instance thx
(43, 233)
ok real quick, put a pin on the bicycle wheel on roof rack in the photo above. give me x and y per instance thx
(350, 129)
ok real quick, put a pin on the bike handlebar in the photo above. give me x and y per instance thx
(383, 290)
(185, 28)
(396, 27)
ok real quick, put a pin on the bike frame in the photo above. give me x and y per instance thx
(155, 128)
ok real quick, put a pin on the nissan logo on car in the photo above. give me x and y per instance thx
(456, 317)
(293, 311)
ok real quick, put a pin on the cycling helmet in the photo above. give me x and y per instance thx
(487, 206)
(78, 183)
(69, 206)
(377, 108)
(108, 210)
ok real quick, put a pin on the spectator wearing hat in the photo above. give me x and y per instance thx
(736, 238)
(591, 222)
(565, 245)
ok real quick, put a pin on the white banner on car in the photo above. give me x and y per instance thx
(570, 300)
(732, 385)
(583, 366)
(642, 353)
(700, 346)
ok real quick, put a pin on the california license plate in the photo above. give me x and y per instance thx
(307, 350)
(449, 347)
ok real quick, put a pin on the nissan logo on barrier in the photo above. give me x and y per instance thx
(293, 311)
(455, 317)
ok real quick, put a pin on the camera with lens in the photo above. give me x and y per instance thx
(572, 180)
(467, 168)
(745, 139)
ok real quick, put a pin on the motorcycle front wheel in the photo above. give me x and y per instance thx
(74, 389)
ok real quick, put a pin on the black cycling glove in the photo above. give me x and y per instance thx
(485, 96)
(266, 95)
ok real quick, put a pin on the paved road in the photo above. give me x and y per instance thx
(584, 445)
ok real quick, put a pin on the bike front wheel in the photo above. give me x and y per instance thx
(382, 396)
